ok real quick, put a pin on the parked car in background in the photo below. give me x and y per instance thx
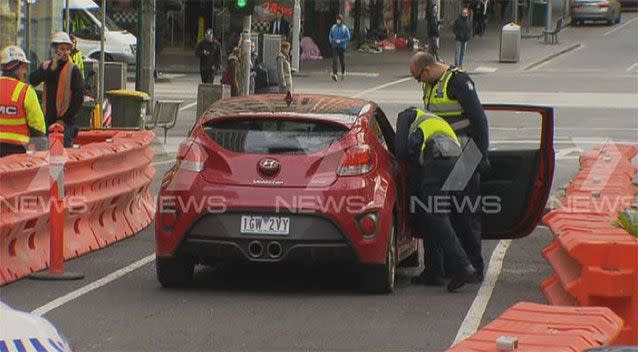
(595, 10)
(633, 4)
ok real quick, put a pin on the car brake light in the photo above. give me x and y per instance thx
(169, 218)
(368, 224)
(358, 160)
(191, 156)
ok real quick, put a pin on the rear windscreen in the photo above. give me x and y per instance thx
(264, 136)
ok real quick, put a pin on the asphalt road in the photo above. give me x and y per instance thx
(594, 89)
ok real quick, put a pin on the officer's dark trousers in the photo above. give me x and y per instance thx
(434, 215)
(467, 223)
(7, 149)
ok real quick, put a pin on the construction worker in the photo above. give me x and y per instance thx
(20, 115)
(63, 92)
(431, 149)
(77, 56)
(449, 93)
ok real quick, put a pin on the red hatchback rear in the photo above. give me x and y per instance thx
(265, 180)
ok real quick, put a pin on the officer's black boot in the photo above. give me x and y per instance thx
(461, 278)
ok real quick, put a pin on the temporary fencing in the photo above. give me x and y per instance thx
(107, 191)
(595, 262)
(528, 327)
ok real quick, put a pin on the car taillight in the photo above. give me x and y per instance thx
(191, 156)
(358, 160)
(169, 217)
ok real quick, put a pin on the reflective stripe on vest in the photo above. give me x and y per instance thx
(436, 101)
(63, 95)
(14, 128)
(431, 125)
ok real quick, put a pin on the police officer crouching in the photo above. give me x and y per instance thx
(431, 148)
(21, 119)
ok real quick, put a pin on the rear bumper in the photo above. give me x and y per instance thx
(590, 14)
(312, 239)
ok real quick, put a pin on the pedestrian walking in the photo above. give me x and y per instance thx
(479, 14)
(339, 37)
(231, 75)
(431, 148)
(434, 25)
(462, 35)
(284, 71)
(280, 26)
(63, 92)
(254, 66)
(450, 93)
(209, 52)
(21, 119)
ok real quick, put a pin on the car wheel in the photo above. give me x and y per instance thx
(379, 279)
(412, 260)
(174, 272)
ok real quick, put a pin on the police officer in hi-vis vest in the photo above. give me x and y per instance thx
(431, 148)
(63, 92)
(21, 119)
(449, 93)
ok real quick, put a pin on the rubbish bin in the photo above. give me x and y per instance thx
(128, 108)
(83, 118)
(510, 43)
(539, 13)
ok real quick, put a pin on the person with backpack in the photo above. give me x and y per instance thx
(209, 54)
(231, 74)
(339, 38)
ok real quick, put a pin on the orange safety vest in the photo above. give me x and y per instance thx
(63, 96)
(14, 128)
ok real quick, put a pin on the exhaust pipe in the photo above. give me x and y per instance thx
(255, 249)
(275, 250)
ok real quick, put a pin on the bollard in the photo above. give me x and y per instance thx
(57, 206)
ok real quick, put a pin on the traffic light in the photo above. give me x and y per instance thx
(242, 7)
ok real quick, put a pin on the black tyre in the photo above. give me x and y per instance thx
(174, 272)
(379, 279)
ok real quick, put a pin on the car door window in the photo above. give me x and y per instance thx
(385, 129)
(376, 130)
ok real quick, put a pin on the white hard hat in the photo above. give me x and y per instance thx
(12, 53)
(61, 38)
(33, 332)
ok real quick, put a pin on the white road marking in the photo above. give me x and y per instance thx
(535, 68)
(485, 69)
(620, 27)
(385, 85)
(475, 314)
(362, 74)
(92, 286)
(632, 67)
(188, 106)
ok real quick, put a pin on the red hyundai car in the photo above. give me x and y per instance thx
(309, 178)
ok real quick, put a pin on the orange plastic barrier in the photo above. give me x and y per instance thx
(596, 263)
(541, 327)
(107, 195)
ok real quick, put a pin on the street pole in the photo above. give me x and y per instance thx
(146, 79)
(438, 19)
(296, 29)
(548, 17)
(515, 11)
(102, 57)
(565, 9)
(245, 57)
(67, 18)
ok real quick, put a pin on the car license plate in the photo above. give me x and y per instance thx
(266, 225)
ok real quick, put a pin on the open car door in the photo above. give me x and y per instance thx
(521, 175)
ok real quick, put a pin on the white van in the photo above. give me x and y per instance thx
(86, 24)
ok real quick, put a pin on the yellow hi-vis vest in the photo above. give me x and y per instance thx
(437, 101)
(434, 127)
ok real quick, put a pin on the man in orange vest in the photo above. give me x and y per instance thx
(20, 115)
(63, 92)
